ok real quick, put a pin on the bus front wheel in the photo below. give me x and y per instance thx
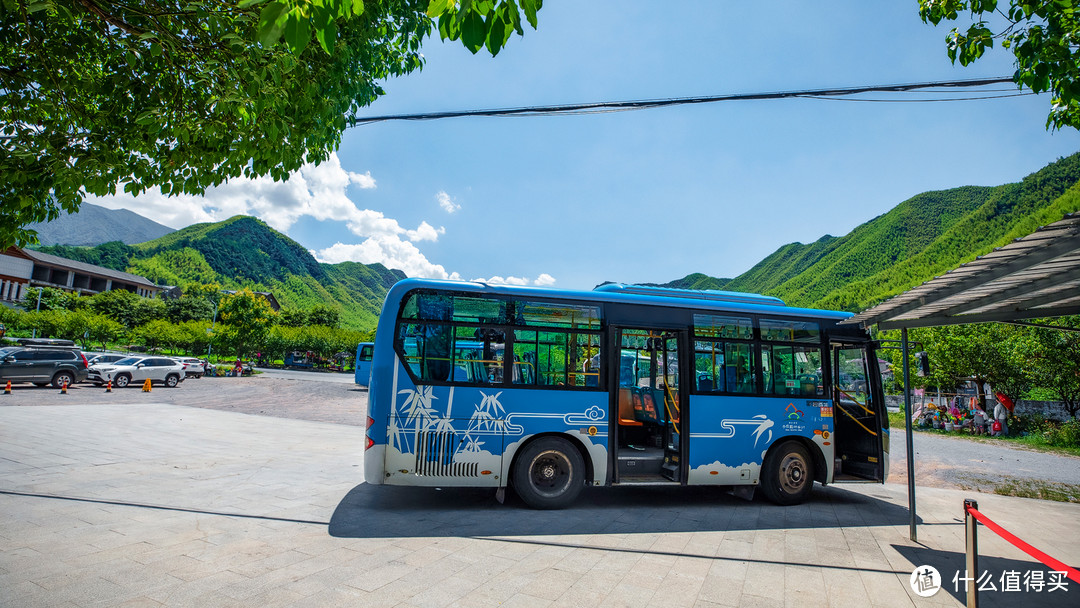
(549, 473)
(787, 475)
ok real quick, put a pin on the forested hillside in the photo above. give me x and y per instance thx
(918, 239)
(244, 252)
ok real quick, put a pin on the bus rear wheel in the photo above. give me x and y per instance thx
(787, 475)
(549, 473)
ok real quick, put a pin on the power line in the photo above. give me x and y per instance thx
(625, 106)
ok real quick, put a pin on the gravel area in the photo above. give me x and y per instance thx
(315, 400)
(955, 462)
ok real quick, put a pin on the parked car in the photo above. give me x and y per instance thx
(103, 358)
(298, 360)
(193, 368)
(42, 365)
(138, 369)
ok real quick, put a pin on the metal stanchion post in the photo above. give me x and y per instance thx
(971, 530)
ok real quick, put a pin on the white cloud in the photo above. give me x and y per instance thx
(543, 280)
(389, 251)
(319, 192)
(446, 202)
(425, 233)
(316, 191)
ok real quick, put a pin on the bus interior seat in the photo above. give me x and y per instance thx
(648, 412)
(705, 384)
(626, 407)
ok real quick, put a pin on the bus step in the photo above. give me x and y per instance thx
(643, 462)
(670, 470)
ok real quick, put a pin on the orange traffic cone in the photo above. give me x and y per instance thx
(108, 386)
(147, 387)
(63, 388)
(7, 389)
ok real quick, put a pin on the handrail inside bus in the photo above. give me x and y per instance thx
(854, 400)
(670, 397)
(856, 420)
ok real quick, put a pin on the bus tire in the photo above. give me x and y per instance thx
(549, 473)
(787, 475)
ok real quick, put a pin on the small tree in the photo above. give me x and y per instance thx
(292, 317)
(986, 353)
(1055, 364)
(189, 308)
(103, 329)
(248, 317)
(117, 304)
(321, 314)
(193, 336)
(157, 333)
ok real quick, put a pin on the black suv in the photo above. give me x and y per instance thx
(42, 365)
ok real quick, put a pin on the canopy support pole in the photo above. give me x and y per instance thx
(910, 436)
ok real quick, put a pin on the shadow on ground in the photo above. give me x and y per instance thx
(393, 512)
(950, 565)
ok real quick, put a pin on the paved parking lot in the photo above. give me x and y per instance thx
(140, 500)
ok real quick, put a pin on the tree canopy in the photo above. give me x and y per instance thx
(181, 95)
(1043, 35)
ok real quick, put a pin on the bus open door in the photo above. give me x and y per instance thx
(861, 422)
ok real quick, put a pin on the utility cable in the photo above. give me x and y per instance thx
(624, 106)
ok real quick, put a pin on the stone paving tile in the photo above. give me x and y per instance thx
(153, 505)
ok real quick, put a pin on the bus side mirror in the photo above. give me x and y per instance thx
(923, 362)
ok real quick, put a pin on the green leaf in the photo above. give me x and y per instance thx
(272, 23)
(327, 37)
(437, 7)
(297, 32)
(473, 33)
(529, 7)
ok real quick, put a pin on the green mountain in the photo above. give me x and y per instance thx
(918, 239)
(244, 252)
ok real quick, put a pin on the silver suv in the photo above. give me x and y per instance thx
(42, 365)
(139, 369)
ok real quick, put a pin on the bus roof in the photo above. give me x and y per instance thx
(675, 298)
(697, 294)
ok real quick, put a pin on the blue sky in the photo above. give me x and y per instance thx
(646, 196)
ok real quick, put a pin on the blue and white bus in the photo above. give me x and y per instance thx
(547, 391)
(364, 353)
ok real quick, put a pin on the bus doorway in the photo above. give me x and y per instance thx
(858, 414)
(647, 403)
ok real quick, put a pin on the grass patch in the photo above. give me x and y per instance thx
(1044, 490)
(1023, 488)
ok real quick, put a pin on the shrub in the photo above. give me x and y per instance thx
(1063, 435)
(1028, 423)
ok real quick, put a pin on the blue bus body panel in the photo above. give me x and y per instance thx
(362, 375)
(731, 434)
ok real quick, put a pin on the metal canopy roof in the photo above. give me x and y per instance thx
(1032, 277)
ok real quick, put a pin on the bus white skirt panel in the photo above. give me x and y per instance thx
(374, 464)
(730, 435)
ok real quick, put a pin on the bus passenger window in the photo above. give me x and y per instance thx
(525, 357)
